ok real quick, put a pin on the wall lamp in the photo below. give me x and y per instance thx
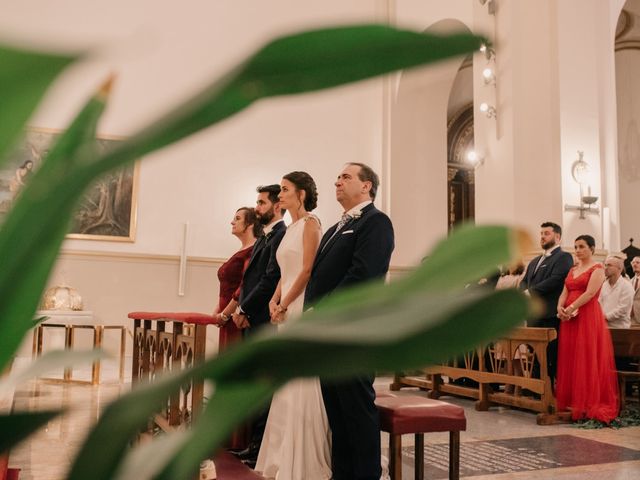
(489, 76)
(488, 110)
(474, 159)
(580, 171)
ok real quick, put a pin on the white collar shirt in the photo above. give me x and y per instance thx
(616, 301)
(358, 208)
(267, 229)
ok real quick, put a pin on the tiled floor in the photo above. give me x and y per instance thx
(47, 455)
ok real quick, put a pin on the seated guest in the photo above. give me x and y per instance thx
(511, 277)
(616, 295)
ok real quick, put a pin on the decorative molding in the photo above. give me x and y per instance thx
(460, 137)
(631, 44)
(138, 257)
(625, 23)
(87, 255)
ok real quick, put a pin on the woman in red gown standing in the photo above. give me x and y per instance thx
(587, 382)
(247, 228)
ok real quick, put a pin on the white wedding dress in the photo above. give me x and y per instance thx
(296, 442)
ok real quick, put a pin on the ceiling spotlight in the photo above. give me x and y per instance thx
(488, 110)
(489, 76)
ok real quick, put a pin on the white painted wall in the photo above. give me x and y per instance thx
(162, 52)
(554, 95)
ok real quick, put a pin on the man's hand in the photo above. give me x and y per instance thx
(241, 320)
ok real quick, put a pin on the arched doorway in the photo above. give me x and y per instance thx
(460, 141)
(627, 57)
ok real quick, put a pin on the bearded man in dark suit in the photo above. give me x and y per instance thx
(259, 282)
(355, 250)
(544, 278)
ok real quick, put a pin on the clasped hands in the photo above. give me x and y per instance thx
(277, 312)
(567, 313)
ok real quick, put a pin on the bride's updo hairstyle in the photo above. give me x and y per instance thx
(303, 181)
(589, 240)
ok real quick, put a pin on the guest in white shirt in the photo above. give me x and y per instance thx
(635, 283)
(616, 295)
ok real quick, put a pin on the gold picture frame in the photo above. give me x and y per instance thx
(108, 209)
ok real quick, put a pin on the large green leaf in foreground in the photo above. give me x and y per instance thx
(35, 228)
(413, 327)
(24, 78)
(33, 231)
(15, 427)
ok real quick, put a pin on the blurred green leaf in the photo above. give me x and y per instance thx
(298, 63)
(35, 228)
(19, 425)
(408, 330)
(468, 255)
(49, 362)
(24, 78)
(231, 404)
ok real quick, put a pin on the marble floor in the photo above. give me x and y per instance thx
(48, 454)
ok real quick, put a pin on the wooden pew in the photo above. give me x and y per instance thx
(626, 345)
(494, 364)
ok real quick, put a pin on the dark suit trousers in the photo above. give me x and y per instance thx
(552, 348)
(355, 429)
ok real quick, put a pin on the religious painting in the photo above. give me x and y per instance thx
(107, 211)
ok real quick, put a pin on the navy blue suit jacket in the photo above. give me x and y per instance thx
(261, 277)
(360, 251)
(547, 282)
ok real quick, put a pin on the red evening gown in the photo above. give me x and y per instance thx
(587, 381)
(230, 277)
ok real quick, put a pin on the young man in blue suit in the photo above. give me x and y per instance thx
(544, 278)
(259, 282)
(355, 250)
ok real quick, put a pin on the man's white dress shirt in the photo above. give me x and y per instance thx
(616, 301)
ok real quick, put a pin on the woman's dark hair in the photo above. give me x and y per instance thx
(251, 220)
(589, 240)
(303, 181)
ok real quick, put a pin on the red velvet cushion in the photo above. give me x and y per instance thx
(185, 317)
(229, 467)
(413, 414)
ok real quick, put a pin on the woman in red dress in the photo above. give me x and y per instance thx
(587, 382)
(246, 226)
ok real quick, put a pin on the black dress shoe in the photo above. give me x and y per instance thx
(251, 463)
(249, 453)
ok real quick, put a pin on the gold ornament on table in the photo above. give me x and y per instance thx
(61, 297)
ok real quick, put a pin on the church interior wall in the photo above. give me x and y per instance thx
(164, 52)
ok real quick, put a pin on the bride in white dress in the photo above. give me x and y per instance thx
(296, 442)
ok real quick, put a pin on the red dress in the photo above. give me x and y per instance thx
(587, 381)
(230, 277)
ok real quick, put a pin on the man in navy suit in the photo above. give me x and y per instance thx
(259, 282)
(544, 278)
(355, 250)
